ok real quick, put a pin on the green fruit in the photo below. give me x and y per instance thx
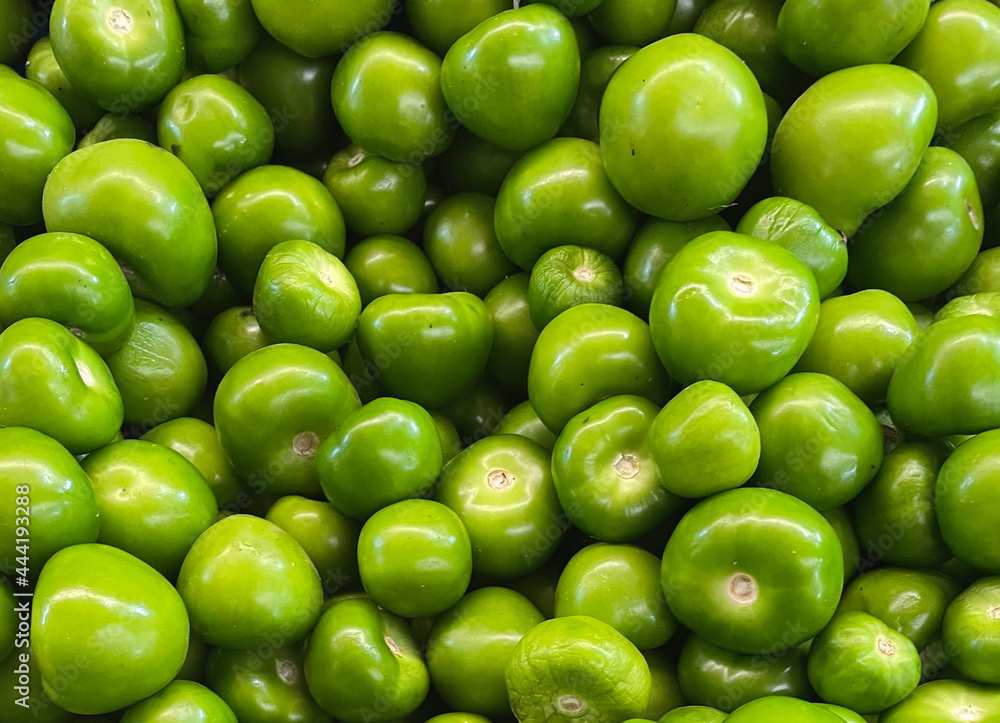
(666, 690)
(523, 421)
(971, 631)
(315, 31)
(848, 715)
(632, 22)
(181, 701)
(567, 276)
(514, 334)
(218, 34)
(474, 165)
(596, 69)
(42, 68)
(112, 127)
(965, 498)
(232, 335)
(439, 23)
(987, 303)
(694, 714)
(976, 141)
(385, 264)
(781, 709)
(947, 701)
(17, 18)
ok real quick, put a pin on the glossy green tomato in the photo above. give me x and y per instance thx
(427, 348)
(704, 441)
(947, 701)
(656, 135)
(523, 421)
(971, 631)
(982, 275)
(576, 666)
(194, 663)
(391, 443)
(363, 665)
(415, 558)
(474, 165)
(840, 519)
(103, 606)
(113, 127)
(965, 498)
(182, 701)
(218, 34)
(751, 568)
(559, 194)
(146, 208)
(439, 23)
(568, 276)
(70, 279)
(280, 593)
(694, 714)
(303, 395)
(596, 69)
(977, 142)
(848, 715)
(232, 335)
(459, 718)
(386, 264)
(632, 22)
(733, 309)
(316, 30)
(514, 334)
(216, 128)
(451, 443)
(515, 100)
(880, 117)
(987, 303)
(81, 410)
(62, 505)
(781, 709)
(387, 96)
(589, 353)
(470, 645)
(42, 68)
(38, 133)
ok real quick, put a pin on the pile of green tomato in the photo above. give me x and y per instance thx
(566, 361)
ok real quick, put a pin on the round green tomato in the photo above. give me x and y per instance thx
(694, 714)
(514, 334)
(947, 701)
(976, 141)
(501, 489)
(145, 207)
(315, 30)
(514, 99)
(704, 441)
(971, 631)
(782, 709)
(451, 443)
(103, 606)
(749, 569)
(656, 135)
(476, 413)
(604, 472)
(70, 279)
(415, 558)
(182, 701)
(567, 276)
(523, 421)
(363, 665)
(470, 644)
(387, 264)
(596, 69)
(387, 96)
(986, 303)
(17, 21)
(280, 593)
(439, 23)
(232, 335)
(840, 519)
(42, 68)
(391, 443)
(632, 22)
(576, 666)
(218, 34)
(113, 127)
(303, 395)
(666, 690)
(474, 165)
(966, 496)
(559, 194)
(733, 309)
(81, 410)
(846, 714)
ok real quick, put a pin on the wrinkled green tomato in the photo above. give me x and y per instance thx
(568, 276)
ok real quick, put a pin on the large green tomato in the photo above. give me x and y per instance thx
(976, 141)
(315, 30)
(514, 334)
(512, 79)
(230, 336)
(182, 701)
(946, 383)
(470, 644)
(749, 569)
(71, 279)
(146, 208)
(387, 264)
(966, 498)
(559, 194)
(102, 606)
(947, 701)
(439, 23)
(37, 134)
(61, 498)
(679, 155)
(266, 206)
(42, 68)
(852, 141)
(218, 34)
(971, 631)
(279, 592)
(303, 395)
(629, 22)
(362, 664)
(589, 353)
(733, 309)
(81, 410)
(782, 709)
(427, 348)
(596, 69)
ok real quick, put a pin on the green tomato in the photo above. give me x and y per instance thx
(922, 243)
(964, 498)
(618, 585)
(38, 133)
(966, 83)
(439, 23)
(218, 34)
(216, 128)
(657, 135)
(713, 676)
(71, 279)
(846, 714)
(948, 370)
(977, 141)
(427, 348)
(415, 558)
(880, 117)
(28, 702)
(632, 22)
(513, 78)
(451, 443)
(840, 520)
(971, 631)
(895, 515)
(733, 309)
(458, 718)
(749, 569)
(523, 421)
(514, 334)
(363, 665)
(947, 701)
(568, 276)
(62, 505)
(232, 335)
(559, 194)
(303, 395)
(694, 714)
(146, 208)
(17, 26)
(818, 441)
(113, 127)
(280, 593)
(982, 275)
(589, 353)
(386, 264)
(501, 489)
(596, 69)
(42, 68)
(10, 615)
(264, 686)
(266, 206)
(182, 701)
(387, 96)
(470, 645)
(576, 666)
(604, 472)
(477, 413)
(317, 30)
(474, 165)
(122, 618)
(393, 444)
(987, 303)
(781, 709)
(821, 36)
(686, 16)
(82, 411)
(666, 689)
